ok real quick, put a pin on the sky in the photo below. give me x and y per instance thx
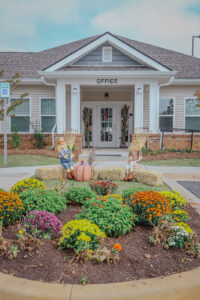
(35, 25)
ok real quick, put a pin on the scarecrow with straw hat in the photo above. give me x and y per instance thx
(66, 157)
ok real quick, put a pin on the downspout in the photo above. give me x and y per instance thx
(54, 127)
(162, 134)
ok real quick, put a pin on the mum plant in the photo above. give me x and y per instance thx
(177, 201)
(81, 235)
(149, 207)
(27, 184)
(104, 187)
(11, 208)
(132, 190)
(111, 215)
(79, 194)
(42, 224)
(47, 200)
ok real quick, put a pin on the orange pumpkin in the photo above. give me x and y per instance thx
(82, 172)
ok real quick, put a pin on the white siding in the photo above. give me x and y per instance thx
(146, 107)
(36, 92)
(179, 93)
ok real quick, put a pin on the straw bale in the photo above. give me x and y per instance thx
(149, 177)
(94, 173)
(46, 173)
(115, 173)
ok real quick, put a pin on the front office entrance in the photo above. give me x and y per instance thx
(105, 107)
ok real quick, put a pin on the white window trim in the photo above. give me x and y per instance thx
(46, 115)
(198, 116)
(103, 53)
(30, 115)
(173, 116)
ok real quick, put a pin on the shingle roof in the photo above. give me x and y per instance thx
(28, 63)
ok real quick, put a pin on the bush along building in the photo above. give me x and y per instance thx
(104, 87)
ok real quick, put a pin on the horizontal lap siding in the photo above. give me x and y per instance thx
(146, 107)
(68, 107)
(179, 93)
(36, 92)
(95, 58)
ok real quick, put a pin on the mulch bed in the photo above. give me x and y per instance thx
(138, 259)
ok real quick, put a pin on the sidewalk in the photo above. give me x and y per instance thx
(8, 176)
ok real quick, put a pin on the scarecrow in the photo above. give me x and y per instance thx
(65, 156)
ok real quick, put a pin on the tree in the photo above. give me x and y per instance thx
(197, 95)
(14, 80)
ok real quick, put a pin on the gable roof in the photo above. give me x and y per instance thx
(28, 63)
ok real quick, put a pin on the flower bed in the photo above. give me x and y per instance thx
(106, 235)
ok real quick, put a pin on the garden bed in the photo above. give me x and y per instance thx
(138, 259)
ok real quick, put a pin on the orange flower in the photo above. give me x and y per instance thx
(117, 247)
(108, 226)
(100, 205)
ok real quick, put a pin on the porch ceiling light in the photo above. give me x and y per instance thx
(106, 96)
(139, 91)
(75, 90)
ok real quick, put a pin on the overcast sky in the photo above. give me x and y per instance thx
(34, 25)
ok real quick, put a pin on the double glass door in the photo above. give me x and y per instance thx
(107, 126)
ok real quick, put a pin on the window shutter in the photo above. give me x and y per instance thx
(107, 54)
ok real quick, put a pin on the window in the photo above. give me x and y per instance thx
(166, 114)
(48, 114)
(107, 54)
(21, 118)
(192, 114)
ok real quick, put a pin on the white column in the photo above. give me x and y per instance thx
(138, 106)
(60, 106)
(75, 107)
(154, 107)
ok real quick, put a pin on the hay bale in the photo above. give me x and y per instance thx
(115, 173)
(95, 173)
(149, 177)
(46, 173)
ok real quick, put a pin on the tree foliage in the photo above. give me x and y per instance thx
(14, 80)
(197, 95)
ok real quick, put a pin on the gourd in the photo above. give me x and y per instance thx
(82, 172)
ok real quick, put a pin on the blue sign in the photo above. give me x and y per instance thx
(4, 89)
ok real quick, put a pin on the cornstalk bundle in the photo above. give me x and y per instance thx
(140, 139)
(70, 137)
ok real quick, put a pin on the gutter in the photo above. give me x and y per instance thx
(167, 83)
(47, 83)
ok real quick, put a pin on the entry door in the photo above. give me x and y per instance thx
(107, 126)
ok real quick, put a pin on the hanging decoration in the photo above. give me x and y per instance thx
(124, 119)
(85, 118)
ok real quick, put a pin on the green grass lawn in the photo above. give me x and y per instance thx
(187, 162)
(23, 160)
(122, 185)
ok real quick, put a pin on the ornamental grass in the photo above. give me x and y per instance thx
(11, 208)
(150, 206)
(27, 184)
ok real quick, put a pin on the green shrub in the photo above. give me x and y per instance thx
(111, 215)
(177, 201)
(15, 140)
(2, 190)
(80, 235)
(132, 190)
(47, 200)
(79, 194)
(27, 184)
